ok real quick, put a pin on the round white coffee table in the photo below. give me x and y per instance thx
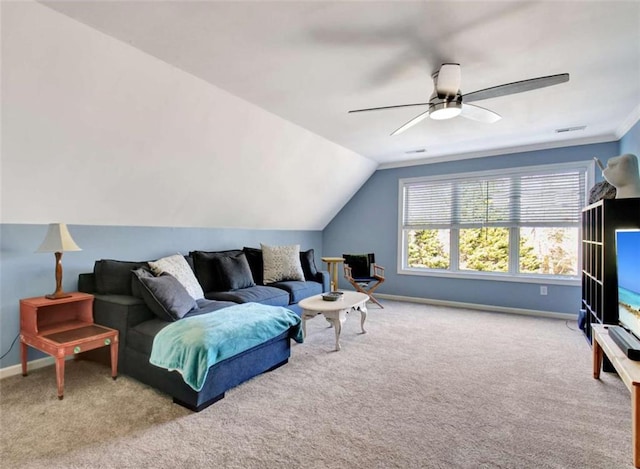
(334, 311)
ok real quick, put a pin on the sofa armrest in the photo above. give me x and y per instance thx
(120, 312)
(87, 283)
(323, 277)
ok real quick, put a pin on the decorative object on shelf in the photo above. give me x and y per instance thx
(601, 190)
(622, 172)
(58, 240)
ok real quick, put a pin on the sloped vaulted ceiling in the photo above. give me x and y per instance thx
(234, 113)
(310, 62)
(95, 131)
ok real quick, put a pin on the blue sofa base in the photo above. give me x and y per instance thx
(221, 376)
(215, 399)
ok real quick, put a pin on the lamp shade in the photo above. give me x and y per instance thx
(58, 239)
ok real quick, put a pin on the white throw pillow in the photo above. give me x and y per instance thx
(281, 263)
(178, 266)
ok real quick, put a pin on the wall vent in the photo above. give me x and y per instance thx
(571, 129)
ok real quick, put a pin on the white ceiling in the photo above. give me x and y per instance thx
(311, 62)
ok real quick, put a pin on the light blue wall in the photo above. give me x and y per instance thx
(24, 273)
(630, 143)
(369, 223)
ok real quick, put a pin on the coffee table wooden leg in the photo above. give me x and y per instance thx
(597, 359)
(60, 375)
(114, 359)
(363, 317)
(337, 322)
(338, 328)
(23, 357)
(305, 315)
(635, 422)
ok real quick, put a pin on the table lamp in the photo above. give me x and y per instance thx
(57, 241)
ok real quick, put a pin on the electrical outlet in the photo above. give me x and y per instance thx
(543, 290)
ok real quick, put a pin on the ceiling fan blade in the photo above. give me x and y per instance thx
(448, 80)
(388, 107)
(412, 122)
(479, 114)
(515, 87)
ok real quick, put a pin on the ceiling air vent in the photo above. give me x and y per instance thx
(571, 129)
(416, 151)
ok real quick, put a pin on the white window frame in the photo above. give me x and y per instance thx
(512, 276)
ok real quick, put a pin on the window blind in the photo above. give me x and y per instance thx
(428, 205)
(527, 198)
(552, 198)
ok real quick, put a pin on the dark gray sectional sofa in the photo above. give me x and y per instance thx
(119, 304)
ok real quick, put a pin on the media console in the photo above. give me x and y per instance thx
(629, 372)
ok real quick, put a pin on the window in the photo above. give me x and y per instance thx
(518, 223)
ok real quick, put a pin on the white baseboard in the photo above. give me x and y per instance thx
(489, 308)
(32, 365)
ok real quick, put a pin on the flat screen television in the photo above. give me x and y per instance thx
(628, 270)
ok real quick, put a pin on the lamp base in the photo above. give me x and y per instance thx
(58, 295)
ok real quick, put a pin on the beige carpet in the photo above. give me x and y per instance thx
(426, 387)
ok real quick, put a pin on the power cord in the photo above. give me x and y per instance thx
(12, 344)
(566, 323)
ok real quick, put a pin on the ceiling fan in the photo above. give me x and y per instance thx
(447, 101)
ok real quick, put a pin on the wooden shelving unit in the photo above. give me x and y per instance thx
(599, 278)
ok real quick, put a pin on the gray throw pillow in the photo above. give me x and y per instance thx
(136, 286)
(234, 272)
(254, 257)
(178, 266)
(308, 262)
(204, 263)
(165, 296)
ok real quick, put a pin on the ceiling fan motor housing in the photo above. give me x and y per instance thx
(445, 108)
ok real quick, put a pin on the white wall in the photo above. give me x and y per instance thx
(97, 132)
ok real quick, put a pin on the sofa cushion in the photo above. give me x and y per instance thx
(281, 263)
(234, 272)
(254, 257)
(258, 294)
(114, 277)
(140, 337)
(308, 263)
(178, 266)
(298, 290)
(165, 296)
(207, 306)
(206, 270)
(136, 286)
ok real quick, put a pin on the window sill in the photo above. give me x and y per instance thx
(494, 277)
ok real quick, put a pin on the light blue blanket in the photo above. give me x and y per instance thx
(192, 345)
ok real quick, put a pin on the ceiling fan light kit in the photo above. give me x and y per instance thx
(447, 101)
(445, 110)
